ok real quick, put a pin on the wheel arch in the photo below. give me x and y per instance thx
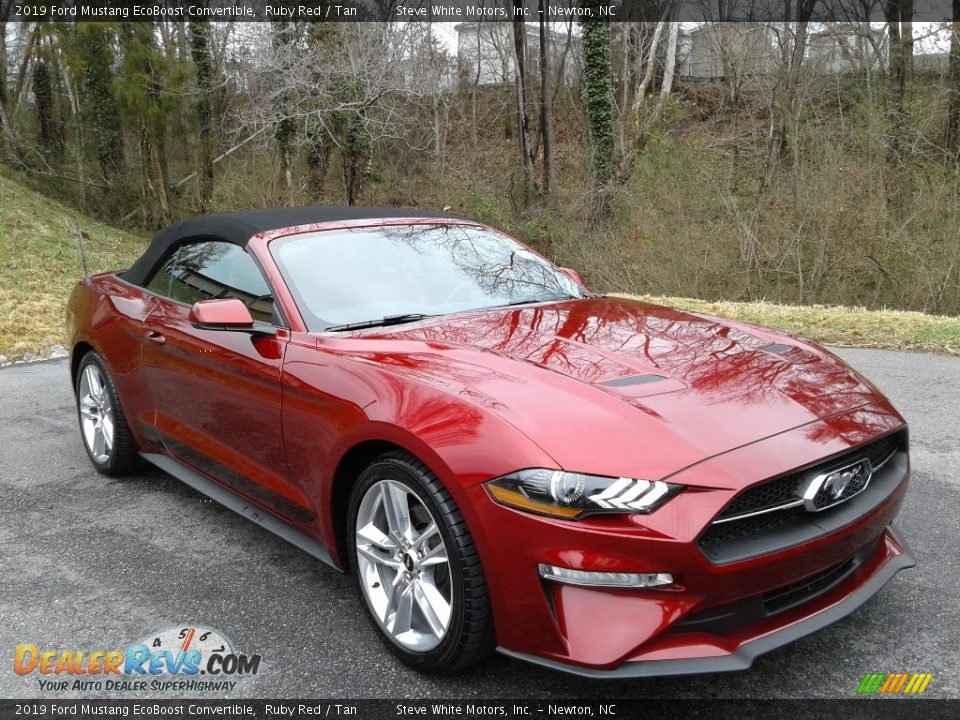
(80, 350)
(348, 470)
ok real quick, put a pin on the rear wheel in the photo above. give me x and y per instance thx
(417, 568)
(103, 426)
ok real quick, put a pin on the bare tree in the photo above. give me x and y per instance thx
(952, 140)
(202, 56)
(5, 7)
(899, 15)
(647, 76)
(671, 60)
(523, 103)
(546, 102)
(285, 128)
(353, 88)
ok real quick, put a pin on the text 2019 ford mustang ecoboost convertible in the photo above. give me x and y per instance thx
(501, 458)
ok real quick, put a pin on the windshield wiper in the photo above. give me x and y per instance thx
(382, 322)
(533, 301)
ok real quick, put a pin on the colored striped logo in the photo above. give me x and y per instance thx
(894, 683)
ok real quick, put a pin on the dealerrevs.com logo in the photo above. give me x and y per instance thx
(188, 658)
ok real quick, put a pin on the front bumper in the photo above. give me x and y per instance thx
(895, 556)
(609, 632)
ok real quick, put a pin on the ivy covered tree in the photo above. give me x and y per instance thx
(49, 129)
(598, 92)
(147, 104)
(202, 56)
(94, 54)
(6, 6)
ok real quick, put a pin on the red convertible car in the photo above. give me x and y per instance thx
(503, 459)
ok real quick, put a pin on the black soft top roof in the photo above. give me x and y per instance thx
(239, 227)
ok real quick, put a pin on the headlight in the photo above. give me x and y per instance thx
(573, 495)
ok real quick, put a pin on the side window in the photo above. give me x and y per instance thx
(211, 271)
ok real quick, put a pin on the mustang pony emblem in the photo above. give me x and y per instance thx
(828, 489)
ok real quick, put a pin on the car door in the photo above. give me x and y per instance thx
(217, 393)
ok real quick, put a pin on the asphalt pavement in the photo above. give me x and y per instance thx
(87, 562)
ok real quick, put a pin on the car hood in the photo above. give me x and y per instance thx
(616, 386)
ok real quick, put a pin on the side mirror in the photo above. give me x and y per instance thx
(573, 275)
(230, 314)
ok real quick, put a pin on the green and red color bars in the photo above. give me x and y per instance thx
(894, 683)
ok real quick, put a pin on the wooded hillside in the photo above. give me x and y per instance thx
(819, 167)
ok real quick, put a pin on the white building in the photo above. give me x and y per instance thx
(485, 52)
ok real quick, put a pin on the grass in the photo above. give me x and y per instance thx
(40, 262)
(837, 325)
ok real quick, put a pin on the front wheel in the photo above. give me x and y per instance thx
(103, 426)
(417, 568)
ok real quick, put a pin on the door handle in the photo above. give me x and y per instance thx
(154, 336)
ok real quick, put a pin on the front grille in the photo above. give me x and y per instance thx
(775, 508)
(789, 488)
(880, 450)
(769, 495)
(752, 526)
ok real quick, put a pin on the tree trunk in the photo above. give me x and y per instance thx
(439, 108)
(899, 14)
(49, 134)
(785, 102)
(789, 119)
(285, 130)
(284, 138)
(952, 140)
(439, 133)
(473, 92)
(143, 82)
(597, 94)
(648, 74)
(625, 29)
(20, 88)
(203, 67)
(146, 190)
(669, 70)
(158, 163)
(546, 103)
(523, 116)
(93, 43)
(3, 54)
(318, 159)
(354, 159)
(6, 132)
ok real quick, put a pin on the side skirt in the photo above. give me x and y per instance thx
(240, 505)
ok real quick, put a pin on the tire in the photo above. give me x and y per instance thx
(103, 427)
(404, 598)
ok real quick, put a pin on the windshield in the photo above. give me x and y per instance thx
(377, 275)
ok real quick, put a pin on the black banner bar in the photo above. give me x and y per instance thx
(854, 709)
(465, 10)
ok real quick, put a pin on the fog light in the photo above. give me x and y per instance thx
(604, 579)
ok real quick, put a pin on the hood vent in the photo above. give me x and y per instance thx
(633, 380)
(778, 348)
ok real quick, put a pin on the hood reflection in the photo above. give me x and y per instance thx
(596, 341)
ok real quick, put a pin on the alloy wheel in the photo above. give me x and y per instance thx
(404, 566)
(97, 418)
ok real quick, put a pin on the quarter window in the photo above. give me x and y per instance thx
(212, 271)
